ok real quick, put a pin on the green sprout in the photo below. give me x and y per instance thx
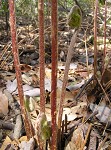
(74, 17)
(102, 2)
(45, 128)
(29, 103)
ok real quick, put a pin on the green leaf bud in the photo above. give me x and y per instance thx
(102, 2)
(29, 103)
(74, 17)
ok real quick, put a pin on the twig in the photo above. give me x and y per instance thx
(101, 145)
(86, 56)
(106, 124)
(65, 123)
(107, 98)
(18, 127)
(85, 141)
(73, 124)
(93, 114)
(62, 132)
(83, 88)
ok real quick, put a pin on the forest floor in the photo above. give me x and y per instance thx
(87, 107)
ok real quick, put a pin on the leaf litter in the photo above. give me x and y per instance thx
(84, 128)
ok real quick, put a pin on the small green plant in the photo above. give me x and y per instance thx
(29, 103)
(4, 6)
(74, 17)
(45, 129)
(102, 2)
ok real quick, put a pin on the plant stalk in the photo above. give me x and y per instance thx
(54, 32)
(41, 54)
(28, 125)
(41, 63)
(95, 37)
(65, 79)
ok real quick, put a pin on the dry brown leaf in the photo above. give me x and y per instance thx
(25, 68)
(23, 138)
(104, 113)
(106, 76)
(11, 85)
(27, 144)
(3, 103)
(6, 142)
(77, 138)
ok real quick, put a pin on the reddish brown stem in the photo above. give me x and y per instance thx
(27, 122)
(41, 54)
(105, 16)
(104, 53)
(41, 62)
(54, 31)
(95, 37)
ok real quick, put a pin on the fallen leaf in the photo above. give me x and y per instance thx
(23, 138)
(26, 87)
(26, 79)
(104, 113)
(5, 143)
(33, 92)
(3, 104)
(11, 86)
(27, 144)
(25, 67)
(77, 138)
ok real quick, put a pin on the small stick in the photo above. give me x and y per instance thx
(106, 125)
(93, 114)
(83, 88)
(83, 119)
(86, 49)
(103, 90)
(85, 141)
(62, 133)
(101, 145)
(65, 123)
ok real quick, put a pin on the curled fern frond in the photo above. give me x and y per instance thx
(74, 17)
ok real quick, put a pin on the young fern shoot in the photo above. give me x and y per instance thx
(74, 21)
